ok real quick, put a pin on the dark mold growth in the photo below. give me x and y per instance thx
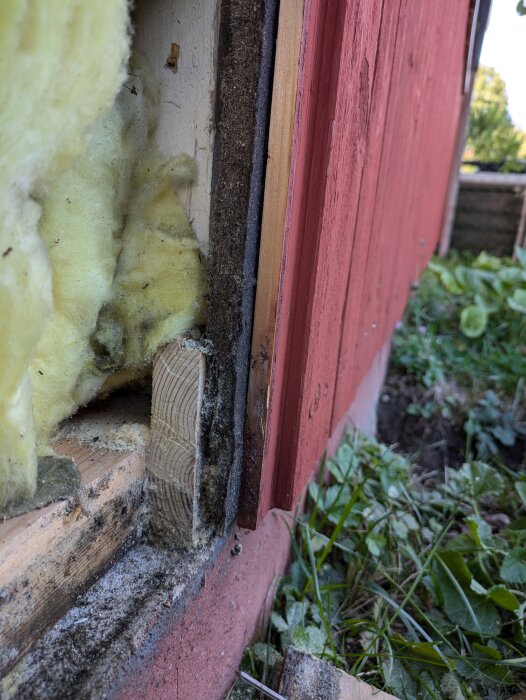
(88, 652)
(124, 527)
(58, 478)
(243, 109)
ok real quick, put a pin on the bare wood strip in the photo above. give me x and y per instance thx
(271, 247)
(49, 556)
(173, 462)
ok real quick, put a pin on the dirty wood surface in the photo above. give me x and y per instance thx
(179, 37)
(305, 676)
(173, 459)
(49, 556)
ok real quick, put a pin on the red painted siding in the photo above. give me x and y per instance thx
(377, 114)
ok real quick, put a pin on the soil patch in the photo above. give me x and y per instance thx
(433, 443)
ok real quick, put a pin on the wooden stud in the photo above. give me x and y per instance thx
(49, 556)
(179, 38)
(173, 461)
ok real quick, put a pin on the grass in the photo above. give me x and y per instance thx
(417, 583)
(417, 588)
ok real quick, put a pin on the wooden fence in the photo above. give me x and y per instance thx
(490, 213)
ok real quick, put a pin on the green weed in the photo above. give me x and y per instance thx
(418, 589)
(466, 324)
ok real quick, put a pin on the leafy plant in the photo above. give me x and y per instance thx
(493, 426)
(418, 589)
(490, 285)
(465, 325)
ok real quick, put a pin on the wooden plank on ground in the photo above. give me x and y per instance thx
(49, 556)
(187, 30)
(173, 460)
(305, 676)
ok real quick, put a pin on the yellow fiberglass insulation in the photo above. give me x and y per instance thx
(102, 264)
(51, 90)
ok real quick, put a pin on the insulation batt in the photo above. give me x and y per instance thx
(51, 91)
(118, 269)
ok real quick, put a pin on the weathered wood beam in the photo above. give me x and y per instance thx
(273, 229)
(51, 555)
(173, 459)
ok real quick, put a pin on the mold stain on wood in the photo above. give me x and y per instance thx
(49, 556)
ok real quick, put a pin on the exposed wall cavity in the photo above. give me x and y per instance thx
(99, 264)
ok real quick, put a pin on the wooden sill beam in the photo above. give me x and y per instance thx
(49, 556)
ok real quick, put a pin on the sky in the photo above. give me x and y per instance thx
(504, 48)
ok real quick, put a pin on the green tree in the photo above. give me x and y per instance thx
(492, 136)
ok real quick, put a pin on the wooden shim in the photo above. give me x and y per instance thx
(173, 460)
(49, 556)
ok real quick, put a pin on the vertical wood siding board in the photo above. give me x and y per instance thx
(440, 126)
(436, 141)
(286, 93)
(398, 240)
(435, 146)
(425, 47)
(315, 18)
(332, 248)
(347, 379)
(380, 254)
(404, 238)
(305, 236)
(386, 193)
(311, 91)
(440, 118)
(323, 361)
(402, 255)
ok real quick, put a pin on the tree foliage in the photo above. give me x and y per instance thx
(492, 136)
